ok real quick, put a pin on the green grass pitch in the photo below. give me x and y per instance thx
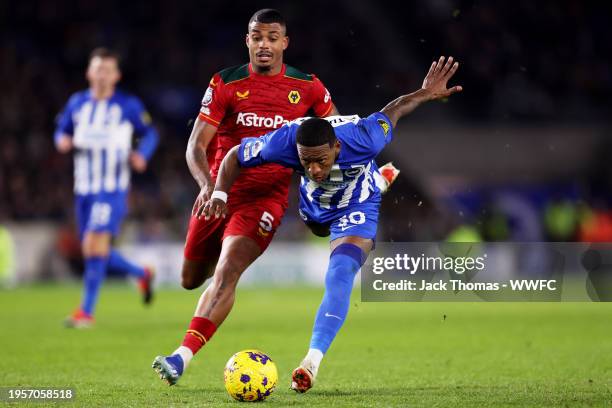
(387, 355)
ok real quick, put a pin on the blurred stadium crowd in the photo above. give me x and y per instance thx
(524, 62)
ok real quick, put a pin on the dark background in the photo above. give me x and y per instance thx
(534, 73)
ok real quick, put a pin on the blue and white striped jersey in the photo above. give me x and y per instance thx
(102, 133)
(351, 178)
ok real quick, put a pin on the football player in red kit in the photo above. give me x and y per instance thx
(243, 101)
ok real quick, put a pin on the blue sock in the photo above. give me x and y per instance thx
(344, 263)
(95, 271)
(117, 262)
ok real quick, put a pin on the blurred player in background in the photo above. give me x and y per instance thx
(338, 195)
(240, 102)
(98, 125)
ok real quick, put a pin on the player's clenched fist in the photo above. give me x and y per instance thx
(437, 77)
(138, 162)
(64, 143)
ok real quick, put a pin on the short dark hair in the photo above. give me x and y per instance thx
(268, 16)
(104, 52)
(315, 132)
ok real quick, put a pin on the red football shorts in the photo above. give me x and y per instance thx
(256, 218)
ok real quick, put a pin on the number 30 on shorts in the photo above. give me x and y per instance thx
(266, 223)
(354, 218)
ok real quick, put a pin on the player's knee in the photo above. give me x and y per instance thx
(96, 253)
(238, 253)
(96, 245)
(189, 283)
(195, 273)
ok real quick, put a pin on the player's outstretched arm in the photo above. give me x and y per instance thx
(228, 173)
(434, 87)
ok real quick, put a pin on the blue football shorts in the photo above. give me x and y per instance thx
(101, 212)
(359, 219)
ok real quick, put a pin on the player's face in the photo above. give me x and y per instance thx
(318, 160)
(266, 43)
(103, 73)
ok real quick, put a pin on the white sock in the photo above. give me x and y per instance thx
(314, 357)
(186, 354)
(381, 182)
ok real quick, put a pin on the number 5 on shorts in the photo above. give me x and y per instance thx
(266, 223)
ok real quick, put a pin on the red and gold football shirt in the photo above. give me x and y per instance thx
(242, 103)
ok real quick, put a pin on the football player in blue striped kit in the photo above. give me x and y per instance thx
(338, 197)
(98, 125)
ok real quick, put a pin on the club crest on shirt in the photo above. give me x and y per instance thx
(353, 172)
(294, 97)
(242, 95)
(384, 125)
(145, 118)
(207, 97)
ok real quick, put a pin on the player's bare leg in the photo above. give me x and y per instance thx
(99, 255)
(195, 273)
(237, 253)
(347, 256)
